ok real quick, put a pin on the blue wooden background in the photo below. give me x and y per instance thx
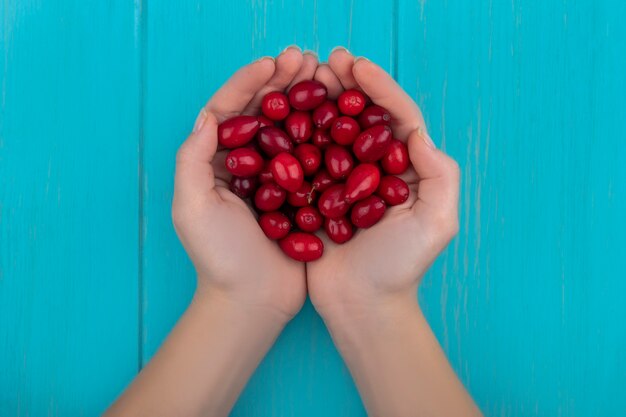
(529, 96)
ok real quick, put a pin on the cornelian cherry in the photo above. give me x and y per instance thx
(273, 141)
(351, 102)
(287, 172)
(243, 187)
(237, 131)
(339, 230)
(303, 247)
(393, 190)
(307, 95)
(299, 126)
(308, 219)
(339, 161)
(269, 197)
(244, 162)
(275, 105)
(309, 156)
(275, 225)
(396, 160)
(345, 130)
(325, 114)
(366, 213)
(362, 182)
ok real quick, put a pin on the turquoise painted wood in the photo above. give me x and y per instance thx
(69, 129)
(528, 96)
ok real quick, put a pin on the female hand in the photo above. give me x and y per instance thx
(232, 256)
(385, 262)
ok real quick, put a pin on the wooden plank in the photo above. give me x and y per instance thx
(69, 128)
(192, 48)
(529, 98)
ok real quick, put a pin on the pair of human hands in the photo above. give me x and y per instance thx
(379, 267)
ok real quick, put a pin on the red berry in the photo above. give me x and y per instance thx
(287, 171)
(366, 213)
(332, 203)
(275, 225)
(372, 144)
(269, 197)
(396, 160)
(237, 131)
(362, 182)
(264, 121)
(303, 196)
(374, 115)
(275, 105)
(299, 126)
(321, 139)
(393, 190)
(244, 162)
(307, 95)
(339, 161)
(309, 156)
(339, 230)
(351, 102)
(345, 130)
(243, 187)
(309, 219)
(266, 174)
(325, 115)
(274, 141)
(303, 247)
(322, 181)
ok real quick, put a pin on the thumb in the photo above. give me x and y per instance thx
(194, 172)
(438, 186)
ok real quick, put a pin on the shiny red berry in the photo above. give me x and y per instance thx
(273, 141)
(396, 160)
(325, 114)
(275, 225)
(322, 180)
(351, 102)
(332, 203)
(269, 197)
(307, 95)
(345, 130)
(339, 161)
(366, 213)
(287, 171)
(303, 196)
(374, 115)
(321, 138)
(303, 247)
(393, 190)
(237, 131)
(362, 182)
(309, 156)
(339, 230)
(299, 126)
(372, 144)
(244, 162)
(275, 105)
(243, 187)
(309, 219)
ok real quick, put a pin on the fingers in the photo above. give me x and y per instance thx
(384, 91)
(288, 64)
(307, 71)
(240, 89)
(341, 62)
(326, 76)
(194, 173)
(438, 187)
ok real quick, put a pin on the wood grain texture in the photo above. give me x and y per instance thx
(528, 96)
(68, 205)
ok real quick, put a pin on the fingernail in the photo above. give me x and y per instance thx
(339, 48)
(309, 52)
(426, 138)
(200, 120)
(264, 57)
(296, 47)
(361, 58)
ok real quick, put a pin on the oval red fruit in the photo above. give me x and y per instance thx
(275, 225)
(322, 180)
(396, 160)
(339, 230)
(366, 213)
(351, 102)
(332, 203)
(309, 219)
(273, 141)
(243, 187)
(339, 161)
(275, 105)
(299, 126)
(269, 197)
(345, 130)
(244, 162)
(307, 95)
(372, 144)
(309, 156)
(325, 114)
(321, 139)
(237, 131)
(287, 171)
(303, 247)
(362, 182)
(393, 190)
(374, 115)
(303, 196)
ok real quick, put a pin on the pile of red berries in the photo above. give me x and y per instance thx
(309, 162)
